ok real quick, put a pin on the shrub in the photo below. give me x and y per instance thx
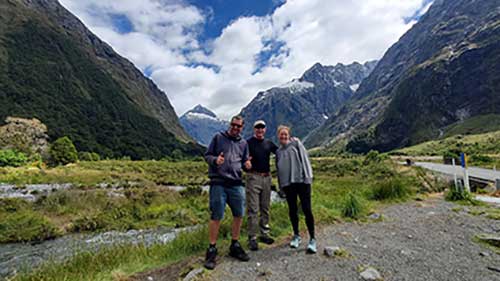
(63, 152)
(455, 194)
(372, 157)
(478, 158)
(390, 189)
(88, 156)
(88, 223)
(25, 226)
(352, 206)
(26, 135)
(9, 157)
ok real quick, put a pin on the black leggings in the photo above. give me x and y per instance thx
(303, 191)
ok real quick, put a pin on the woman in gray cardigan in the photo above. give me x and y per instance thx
(295, 179)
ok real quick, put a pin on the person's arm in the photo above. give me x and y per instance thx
(277, 171)
(211, 153)
(274, 147)
(246, 159)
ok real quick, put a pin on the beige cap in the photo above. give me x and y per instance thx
(259, 122)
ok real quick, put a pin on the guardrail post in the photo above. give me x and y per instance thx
(497, 183)
(455, 179)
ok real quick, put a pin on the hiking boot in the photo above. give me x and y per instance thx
(311, 248)
(237, 252)
(266, 239)
(210, 258)
(253, 245)
(295, 241)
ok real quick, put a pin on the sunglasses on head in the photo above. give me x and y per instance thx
(236, 125)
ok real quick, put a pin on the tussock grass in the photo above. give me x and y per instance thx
(353, 206)
(392, 189)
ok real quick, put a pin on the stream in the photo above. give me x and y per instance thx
(15, 257)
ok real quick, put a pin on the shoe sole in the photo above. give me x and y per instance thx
(309, 251)
(239, 258)
(209, 267)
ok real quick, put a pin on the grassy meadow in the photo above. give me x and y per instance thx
(483, 149)
(344, 188)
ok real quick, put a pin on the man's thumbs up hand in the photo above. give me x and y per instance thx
(220, 159)
(248, 163)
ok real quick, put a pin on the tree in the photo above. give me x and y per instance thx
(63, 152)
(24, 135)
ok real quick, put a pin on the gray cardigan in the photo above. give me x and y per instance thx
(293, 165)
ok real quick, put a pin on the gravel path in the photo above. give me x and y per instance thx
(414, 241)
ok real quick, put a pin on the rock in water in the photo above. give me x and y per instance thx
(371, 274)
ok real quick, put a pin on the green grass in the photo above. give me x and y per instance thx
(488, 143)
(88, 209)
(392, 189)
(475, 125)
(352, 206)
(88, 174)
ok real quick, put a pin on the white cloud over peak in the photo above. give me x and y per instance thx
(221, 73)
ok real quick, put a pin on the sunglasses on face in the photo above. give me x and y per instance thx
(260, 127)
(236, 125)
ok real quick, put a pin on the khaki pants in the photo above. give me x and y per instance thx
(258, 193)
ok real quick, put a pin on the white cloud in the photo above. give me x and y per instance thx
(166, 31)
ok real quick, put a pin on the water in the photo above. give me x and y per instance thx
(17, 256)
(30, 192)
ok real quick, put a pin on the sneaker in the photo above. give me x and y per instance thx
(253, 245)
(295, 241)
(210, 258)
(266, 239)
(311, 248)
(236, 251)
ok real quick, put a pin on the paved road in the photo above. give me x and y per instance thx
(480, 173)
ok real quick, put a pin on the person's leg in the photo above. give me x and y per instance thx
(217, 204)
(213, 231)
(236, 228)
(217, 201)
(265, 202)
(252, 198)
(291, 199)
(236, 201)
(304, 192)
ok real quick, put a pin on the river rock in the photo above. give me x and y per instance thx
(371, 274)
(193, 274)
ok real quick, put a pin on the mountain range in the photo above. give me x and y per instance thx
(202, 124)
(442, 76)
(307, 102)
(54, 69)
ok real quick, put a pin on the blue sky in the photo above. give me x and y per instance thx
(223, 12)
(221, 53)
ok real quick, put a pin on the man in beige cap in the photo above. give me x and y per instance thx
(258, 187)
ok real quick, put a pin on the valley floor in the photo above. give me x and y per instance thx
(429, 240)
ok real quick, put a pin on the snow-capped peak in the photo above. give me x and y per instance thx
(354, 87)
(295, 85)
